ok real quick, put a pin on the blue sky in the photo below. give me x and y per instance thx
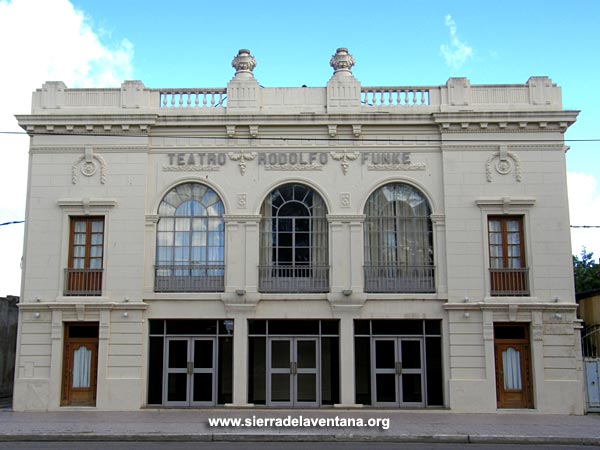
(192, 43)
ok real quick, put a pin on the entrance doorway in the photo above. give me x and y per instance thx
(398, 372)
(513, 370)
(190, 372)
(293, 362)
(293, 378)
(398, 363)
(190, 362)
(80, 364)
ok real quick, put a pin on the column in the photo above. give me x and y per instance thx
(150, 244)
(240, 357)
(439, 251)
(347, 382)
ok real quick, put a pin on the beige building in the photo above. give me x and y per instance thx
(299, 247)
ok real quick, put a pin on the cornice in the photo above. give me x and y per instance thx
(502, 306)
(86, 203)
(504, 121)
(241, 218)
(86, 124)
(346, 218)
(89, 305)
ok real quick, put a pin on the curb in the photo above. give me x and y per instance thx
(229, 437)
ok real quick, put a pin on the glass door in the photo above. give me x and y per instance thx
(203, 373)
(411, 379)
(398, 372)
(306, 372)
(190, 372)
(280, 372)
(293, 376)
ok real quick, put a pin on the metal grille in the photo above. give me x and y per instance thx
(398, 241)
(189, 278)
(509, 282)
(297, 278)
(590, 341)
(391, 278)
(294, 241)
(83, 282)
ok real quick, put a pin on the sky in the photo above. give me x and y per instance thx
(100, 43)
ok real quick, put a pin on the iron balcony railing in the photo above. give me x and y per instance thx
(189, 278)
(293, 279)
(399, 279)
(83, 282)
(509, 282)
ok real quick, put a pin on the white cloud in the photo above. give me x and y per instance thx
(457, 53)
(584, 206)
(42, 40)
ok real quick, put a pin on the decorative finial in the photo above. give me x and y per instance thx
(342, 62)
(244, 63)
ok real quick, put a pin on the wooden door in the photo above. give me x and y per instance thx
(80, 365)
(513, 368)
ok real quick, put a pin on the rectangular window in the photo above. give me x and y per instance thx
(86, 252)
(508, 269)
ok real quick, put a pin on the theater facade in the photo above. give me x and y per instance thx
(309, 247)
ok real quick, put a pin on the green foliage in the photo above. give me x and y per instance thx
(586, 272)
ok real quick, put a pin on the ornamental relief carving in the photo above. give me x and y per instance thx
(241, 158)
(504, 162)
(242, 201)
(88, 164)
(344, 157)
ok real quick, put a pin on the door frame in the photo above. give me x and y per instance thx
(398, 370)
(69, 346)
(523, 346)
(190, 371)
(293, 371)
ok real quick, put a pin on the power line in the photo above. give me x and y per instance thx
(301, 138)
(11, 223)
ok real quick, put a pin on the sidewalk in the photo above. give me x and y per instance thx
(404, 426)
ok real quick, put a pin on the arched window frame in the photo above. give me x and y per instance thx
(294, 255)
(190, 240)
(398, 240)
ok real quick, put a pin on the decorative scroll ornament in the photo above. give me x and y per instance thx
(344, 157)
(504, 162)
(242, 157)
(244, 62)
(342, 61)
(87, 164)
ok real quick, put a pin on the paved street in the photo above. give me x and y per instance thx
(272, 446)
(184, 426)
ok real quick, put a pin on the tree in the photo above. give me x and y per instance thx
(586, 272)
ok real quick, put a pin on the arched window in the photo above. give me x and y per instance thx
(398, 241)
(294, 241)
(190, 240)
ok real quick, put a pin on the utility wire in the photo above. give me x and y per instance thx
(300, 138)
(11, 223)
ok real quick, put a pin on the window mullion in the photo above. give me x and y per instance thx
(504, 229)
(88, 243)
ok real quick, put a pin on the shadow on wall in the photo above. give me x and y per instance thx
(9, 314)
